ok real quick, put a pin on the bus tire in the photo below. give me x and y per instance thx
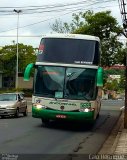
(45, 122)
(91, 124)
(98, 116)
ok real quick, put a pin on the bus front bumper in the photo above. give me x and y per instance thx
(66, 115)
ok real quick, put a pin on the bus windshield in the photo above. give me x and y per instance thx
(65, 82)
(79, 51)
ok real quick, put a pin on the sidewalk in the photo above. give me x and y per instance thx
(116, 144)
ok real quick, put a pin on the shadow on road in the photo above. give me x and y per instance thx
(13, 117)
(68, 126)
(100, 122)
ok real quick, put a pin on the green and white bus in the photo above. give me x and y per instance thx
(67, 78)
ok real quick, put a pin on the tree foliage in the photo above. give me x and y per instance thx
(102, 25)
(114, 85)
(8, 58)
(64, 27)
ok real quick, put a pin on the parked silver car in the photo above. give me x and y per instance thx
(12, 104)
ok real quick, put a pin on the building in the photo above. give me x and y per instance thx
(114, 77)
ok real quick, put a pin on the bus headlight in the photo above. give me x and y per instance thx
(39, 106)
(85, 110)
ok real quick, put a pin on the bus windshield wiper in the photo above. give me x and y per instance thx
(47, 94)
(71, 75)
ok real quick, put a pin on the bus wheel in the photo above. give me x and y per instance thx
(45, 122)
(98, 115)
(91, 124)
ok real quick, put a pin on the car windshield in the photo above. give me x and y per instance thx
(65, 82)
(7, 97)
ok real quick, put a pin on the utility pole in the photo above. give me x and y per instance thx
(123, 12)
(125, 110)
(17, 54)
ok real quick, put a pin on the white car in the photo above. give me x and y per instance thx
(12, 104)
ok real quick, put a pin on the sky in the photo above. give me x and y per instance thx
(37, 16)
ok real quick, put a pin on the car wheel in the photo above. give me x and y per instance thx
(26, 112)
(2, 117)
(17, 113)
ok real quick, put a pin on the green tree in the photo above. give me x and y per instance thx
(113, 85)
(108, 72)
(122, 83)
(8, 58)
(64, 27)
(102, 25)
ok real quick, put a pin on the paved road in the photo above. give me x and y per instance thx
(26, 134)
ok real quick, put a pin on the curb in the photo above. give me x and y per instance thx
(118, 134)
(111, 142)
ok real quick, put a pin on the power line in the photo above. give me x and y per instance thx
(71, 11)
(20, 36)
(50, 8)
(57, 5)
(123, 12)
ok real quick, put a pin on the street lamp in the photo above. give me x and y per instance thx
(17, 55)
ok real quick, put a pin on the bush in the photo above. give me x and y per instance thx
(27, 92)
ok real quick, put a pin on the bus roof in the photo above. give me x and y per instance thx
(71, 36)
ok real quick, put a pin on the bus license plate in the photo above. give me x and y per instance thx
(61, 116)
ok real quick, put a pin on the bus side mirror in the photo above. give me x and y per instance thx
(100, 77)
(28, 71)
